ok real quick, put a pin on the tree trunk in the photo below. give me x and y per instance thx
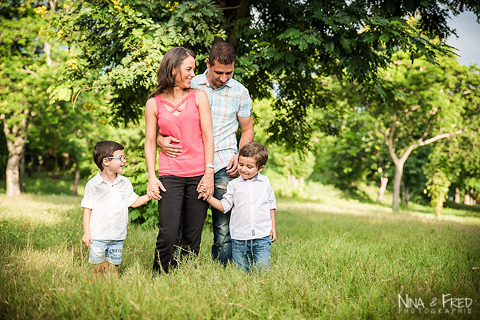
(397, 181)
(382, 189)
(466, 199)
(77, 179)
(16, 139)
(457, 195)
(439, 206)
(13, 175)
(23, 187)
(405, 193)
(399, 162)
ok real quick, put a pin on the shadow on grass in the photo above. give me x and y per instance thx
(45, 184)
(461, 206)
(20, 233)
(450, 208)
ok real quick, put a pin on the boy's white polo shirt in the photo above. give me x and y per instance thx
(109, 203)
(251, 202)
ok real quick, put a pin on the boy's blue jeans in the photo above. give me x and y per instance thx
(248, 254)
(222, 245)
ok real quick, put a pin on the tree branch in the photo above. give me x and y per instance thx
(231, 8)
(388, 136)
(440, 136)
(428, 141)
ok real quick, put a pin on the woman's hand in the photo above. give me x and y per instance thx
(205, 187)
(153, 189)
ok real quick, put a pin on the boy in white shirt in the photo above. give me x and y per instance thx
(105, 208)
(253, 205)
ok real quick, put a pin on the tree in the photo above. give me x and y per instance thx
(351, 153)
(284, 47)
(31, 62)
(423, 103)
(116, 46)
(25, 75)
(456, 162)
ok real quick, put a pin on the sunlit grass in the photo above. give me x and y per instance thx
(335, 258)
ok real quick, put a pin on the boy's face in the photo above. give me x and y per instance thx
(247, 167)
(115, 165)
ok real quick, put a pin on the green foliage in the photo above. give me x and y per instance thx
(24, 75)
(32, 61)
(284, 47)
(293, 44)
(147, 214)
(282, 161)
(116, 46)
(437, 186)
(418, 104)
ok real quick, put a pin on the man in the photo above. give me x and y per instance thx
(231, 106)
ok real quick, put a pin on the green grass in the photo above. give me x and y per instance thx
(334, 259)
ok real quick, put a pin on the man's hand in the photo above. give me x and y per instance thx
(232, 168)
(165, 143)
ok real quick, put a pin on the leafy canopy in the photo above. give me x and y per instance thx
(284, 47)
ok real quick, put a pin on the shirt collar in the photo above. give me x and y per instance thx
(204, 81)
(258, 176)
(98, 180)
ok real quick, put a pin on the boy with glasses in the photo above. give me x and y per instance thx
(105, 208)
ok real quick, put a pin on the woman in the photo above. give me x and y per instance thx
(184, 114)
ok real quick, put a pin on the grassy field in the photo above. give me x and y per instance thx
(334, 259)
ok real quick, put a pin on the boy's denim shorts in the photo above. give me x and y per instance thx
(110, 250)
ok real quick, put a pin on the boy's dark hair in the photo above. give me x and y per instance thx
(222, 52)
(255, 150)
(104, 149)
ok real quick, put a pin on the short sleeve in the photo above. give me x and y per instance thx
(131, 195)
(227, 200)
(87, 201)
(245, 108)
(272, 200)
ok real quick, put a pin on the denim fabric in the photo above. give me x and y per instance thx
(250, 254)
(110, 250)
(222, 245)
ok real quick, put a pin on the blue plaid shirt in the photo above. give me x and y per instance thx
(227, 103)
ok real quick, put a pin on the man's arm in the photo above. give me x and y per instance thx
(165, 143)
(247, 134)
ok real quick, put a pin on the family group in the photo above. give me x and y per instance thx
(194, 121)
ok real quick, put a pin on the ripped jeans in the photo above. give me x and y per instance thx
(222, 244)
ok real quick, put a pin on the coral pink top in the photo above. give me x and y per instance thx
(185, 127)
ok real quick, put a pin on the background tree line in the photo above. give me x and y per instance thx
(346, 92)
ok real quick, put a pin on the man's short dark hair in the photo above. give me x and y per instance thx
(255, 150)
(104, 149)
(222, 52)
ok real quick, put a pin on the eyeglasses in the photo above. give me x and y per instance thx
(122, 158)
